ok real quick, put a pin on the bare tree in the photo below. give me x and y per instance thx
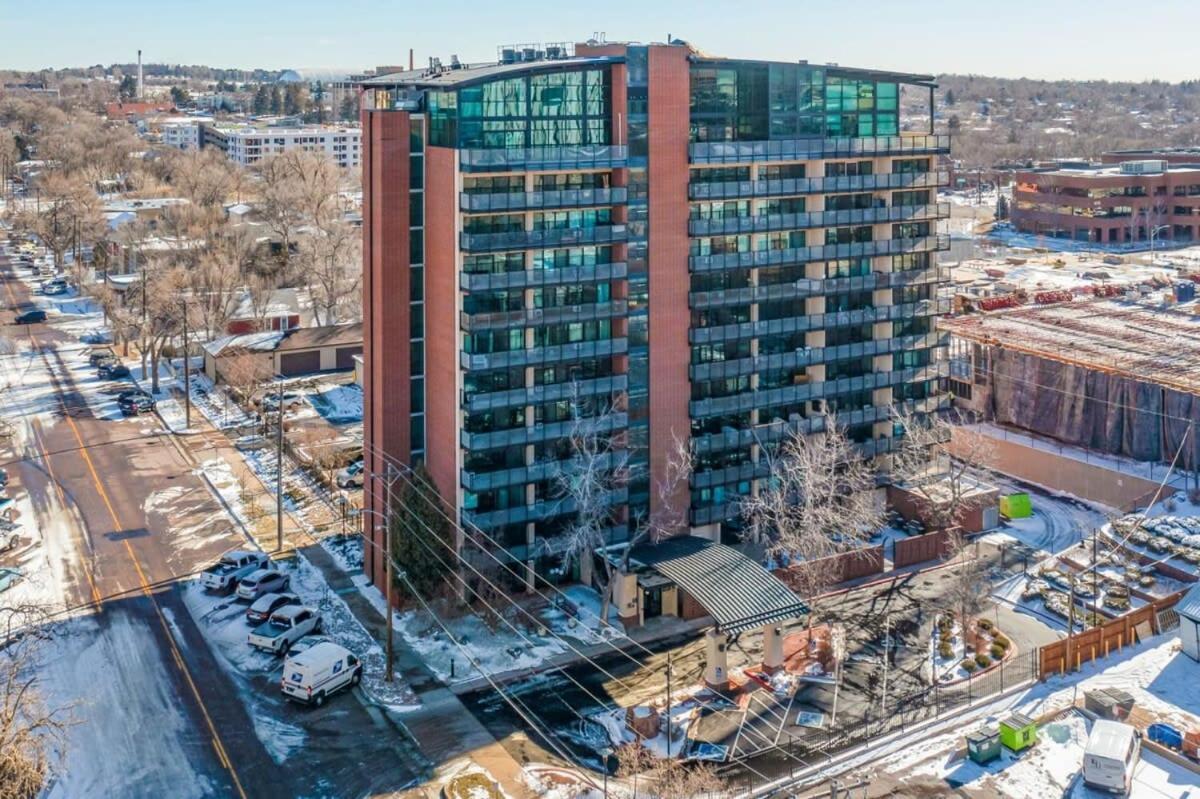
(818, 501)
(206, 177)
(332, 270)
(28, 727)
(596, 468)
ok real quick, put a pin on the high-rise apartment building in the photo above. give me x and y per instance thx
(719, 249)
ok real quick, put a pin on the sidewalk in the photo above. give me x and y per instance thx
(441, 727)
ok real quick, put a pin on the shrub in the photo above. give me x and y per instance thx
(1001, 642)
(985, 624)
(969, 666)
(945, 650)
(997, 652)
(983, 660)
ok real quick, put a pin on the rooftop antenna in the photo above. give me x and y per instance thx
(140, 95)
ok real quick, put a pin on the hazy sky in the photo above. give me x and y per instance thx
(1033, 38)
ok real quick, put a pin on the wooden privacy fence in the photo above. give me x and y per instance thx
(841, 567)
(1079, 648)
(920, 548)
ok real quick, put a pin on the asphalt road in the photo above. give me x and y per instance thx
(131, 519)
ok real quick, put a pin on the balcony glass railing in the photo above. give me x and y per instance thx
(821, 252)
(523, 278)
(558, 198)
(810, 356)
(762, 223)
(811, 287)
(726, 190)
(537, 317)
(537, 356)
(802, 322)
(538, 395)
(807, 149)
(540, 239)
(600, 156)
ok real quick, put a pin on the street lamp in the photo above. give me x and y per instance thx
(1154, 231)
(606, 753)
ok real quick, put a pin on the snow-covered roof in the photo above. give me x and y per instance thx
(265, 341)
(1189, 605)
(279, 302)
(239, 209)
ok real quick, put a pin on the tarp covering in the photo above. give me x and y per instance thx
(1094, 409)
(737, 592)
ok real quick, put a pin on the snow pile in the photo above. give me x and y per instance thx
(339, 404)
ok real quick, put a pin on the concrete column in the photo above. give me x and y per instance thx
(625, 597)
(772, 648)
(716, 659)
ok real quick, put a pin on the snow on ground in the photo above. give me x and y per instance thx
(216, 404)
(1158, 675)
(949, 669)
(338, 404)
(169, 407)
(116, 747)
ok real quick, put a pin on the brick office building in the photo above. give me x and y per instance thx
(1126, 203)
(723, 248)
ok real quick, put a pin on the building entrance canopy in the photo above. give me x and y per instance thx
(737, 592)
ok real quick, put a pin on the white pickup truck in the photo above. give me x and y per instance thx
(285, 627)
(233, 566)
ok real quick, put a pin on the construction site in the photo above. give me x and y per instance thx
(1116, 375)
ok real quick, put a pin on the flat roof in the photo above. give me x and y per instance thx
(1150, 344)
(1111, 171)
(481, 72)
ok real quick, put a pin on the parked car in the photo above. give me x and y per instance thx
(267, 604)
(9, 537)
(97, 355)
(291, 401)
(316, 673)
(232, 567)
(3, 478)
(308, 642)
(351, 476)
(54, 287)
(29, 317)
(9, 575)
(262, 581)
(110, 370)
(130, 393)
(286, 626)
(136, 404)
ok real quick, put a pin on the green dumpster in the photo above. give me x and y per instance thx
(1016, 506)
(983, 746)
(1018, 732)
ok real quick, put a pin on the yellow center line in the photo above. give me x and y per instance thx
(117, 526)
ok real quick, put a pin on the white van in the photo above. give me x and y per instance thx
(315, 673)
(1112, 753)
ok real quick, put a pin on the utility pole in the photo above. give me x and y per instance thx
(187, 374)
(279, 469)
(387, 555)
(1070, 617)
(669, 772)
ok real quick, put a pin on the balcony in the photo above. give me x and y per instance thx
(791, 395)
(601, 156)
(535, 473)
(535, 200)
(539, 395)
(813, 287)
(545, 509)
(810, 356)
(538, 317)
(809, 149)
(820, 252)
(541, 239)
(745, 189)
(802, 323)
(538, 356)
(530, 434)
(777, 429)
(762, 223)
(532, 278)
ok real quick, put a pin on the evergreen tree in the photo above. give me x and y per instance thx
(180, 96)
(349, 109)
(950, 97)
(276, 100)
(318, 98)
(262, 99)
(423, 542)
(1002, 207)
(128, 88)
(293, 99)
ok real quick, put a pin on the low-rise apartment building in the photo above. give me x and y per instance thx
(249, 145)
